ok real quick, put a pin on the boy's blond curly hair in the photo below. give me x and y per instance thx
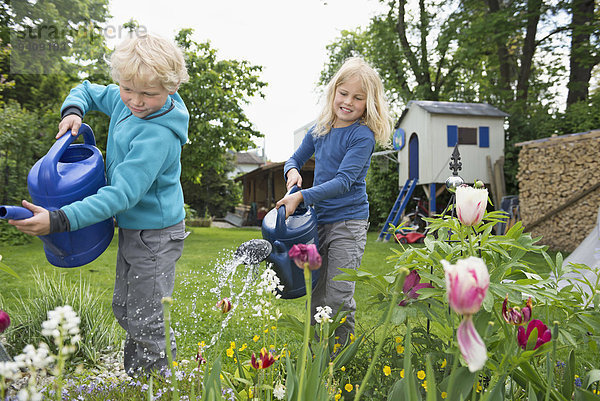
(146, 58)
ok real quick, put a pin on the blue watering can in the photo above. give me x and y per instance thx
(282, 233)
(68, 173)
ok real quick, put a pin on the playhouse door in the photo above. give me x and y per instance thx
(413, 157)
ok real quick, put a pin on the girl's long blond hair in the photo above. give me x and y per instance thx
(377, 115)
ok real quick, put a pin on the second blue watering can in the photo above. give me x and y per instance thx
(68, 173)
(282, 233)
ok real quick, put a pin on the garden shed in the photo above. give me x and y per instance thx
(425, 137)
(559, 188)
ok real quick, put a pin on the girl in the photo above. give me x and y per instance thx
(354, 117)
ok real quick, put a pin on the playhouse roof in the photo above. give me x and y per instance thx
(469, 109)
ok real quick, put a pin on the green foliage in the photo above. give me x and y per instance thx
(215, 96)
(382, 189)
(98, 329)
(511, 276)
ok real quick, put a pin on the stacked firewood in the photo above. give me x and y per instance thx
(559, 188)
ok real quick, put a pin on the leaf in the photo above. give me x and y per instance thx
(585, 395)
(431, 385)
(592, 377)
(568, 382)
(463, 383)
(8, 270)
(497, 393)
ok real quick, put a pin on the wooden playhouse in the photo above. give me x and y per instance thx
(425, 137)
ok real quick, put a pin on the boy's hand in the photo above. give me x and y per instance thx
(293, 178)
(39, 224)
(291, 202)
(71, 122)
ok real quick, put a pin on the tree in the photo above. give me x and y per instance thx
(214, 96)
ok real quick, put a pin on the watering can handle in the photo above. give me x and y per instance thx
(280, 226)
(48, 174)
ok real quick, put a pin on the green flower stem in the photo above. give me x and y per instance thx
(388, 316)
(167, 318)
(301, 370)
(550, 363)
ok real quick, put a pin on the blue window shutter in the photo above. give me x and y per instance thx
(452, 135)
(484, 137)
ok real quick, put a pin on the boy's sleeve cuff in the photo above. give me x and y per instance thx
(71, 110)
(59, 222)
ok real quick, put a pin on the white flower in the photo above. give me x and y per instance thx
(279, 391)
(323, 314)
(9, 370)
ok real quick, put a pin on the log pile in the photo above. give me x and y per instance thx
(559, 188)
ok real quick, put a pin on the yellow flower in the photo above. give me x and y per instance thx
(175, 364)
(479, 388)
(343, 320)
(402, 373)
(255, 338)
(421, 375)
(250, 395)
(398, 340)
(266, 330)
(273, 327)
(230, 352)
(343, 368)
(348, 387)
(399, 348)
(387, 370)
(444, 363)
(202, 344)
(424, 384)
(243, 347)
(352, 338)
(336, 346)
(337, 396)
(444, 395)
(232, 344)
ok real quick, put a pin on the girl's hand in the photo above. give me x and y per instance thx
(71, 122)
(293, 178)
(39, 224)
(290, 202)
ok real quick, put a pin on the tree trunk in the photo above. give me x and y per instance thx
(581, 58)
(502, 52)
(533, 17)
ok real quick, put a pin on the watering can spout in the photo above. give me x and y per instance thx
(15, 213)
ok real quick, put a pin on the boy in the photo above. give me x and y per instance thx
(148, 127)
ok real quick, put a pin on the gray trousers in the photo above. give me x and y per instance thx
(341, 245)
(145, 274)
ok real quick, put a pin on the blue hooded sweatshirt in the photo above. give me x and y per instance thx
(143, 165)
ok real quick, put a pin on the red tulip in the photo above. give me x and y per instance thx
(266, 359)
(516, 315)
(4, 321)
(543, 334)
(412, 284)
(306, 256)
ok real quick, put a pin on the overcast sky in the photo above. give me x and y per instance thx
(288, 38)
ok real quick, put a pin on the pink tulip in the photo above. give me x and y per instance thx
(467, 283)
(306, 256)
(4, 321)
(471, 345)
(470, 204)
(543, 334)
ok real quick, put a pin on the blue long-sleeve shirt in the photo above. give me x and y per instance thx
(342, 159)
